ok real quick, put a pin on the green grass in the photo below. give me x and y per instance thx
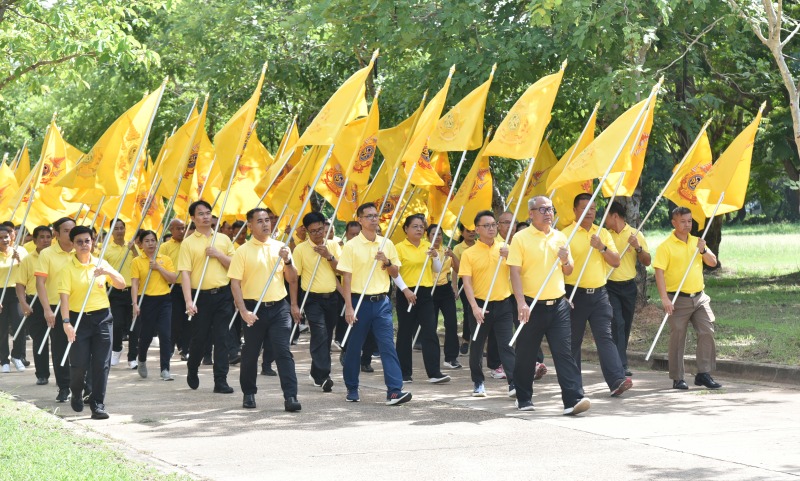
(37, 446)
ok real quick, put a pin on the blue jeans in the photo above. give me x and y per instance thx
(378, 316)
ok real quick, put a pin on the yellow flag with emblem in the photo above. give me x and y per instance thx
(391, 141)
(437, 194)
(537, 181)
(461, 128)
(178, 158)
(634, 157)
(681, 190)
(475, 193)
(58, 157)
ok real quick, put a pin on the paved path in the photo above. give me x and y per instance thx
(745, 431)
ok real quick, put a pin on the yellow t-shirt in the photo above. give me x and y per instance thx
(534, 252)
(192, 257)
(51, 262)
(171, 248)
(479, 262)
(412, 258)
(595, 274)
(304, 261)
(459, 249)
(627, 265)
(447, 266)
(672, 256)
(157, 285)
(358, 255)
(114, 255)
(24, 273)
(7, 261)
(76, 279)
(253, 263)
(29, 246)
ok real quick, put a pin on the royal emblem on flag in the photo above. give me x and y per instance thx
(480, 181)
(334, 179)
(689, 182)
(515, 129)
(88, 163)
(450, 125)
(365, 155)
(51, 169)
(192, 162)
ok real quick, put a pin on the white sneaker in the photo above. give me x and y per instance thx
(582, 405)
(142, 369)
(498, 373)
(165, 375)
(18, 364)
(115, 357)
(133, 364)
(6, 368)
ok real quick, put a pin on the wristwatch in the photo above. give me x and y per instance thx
(388, 264)
(605, 248)
(65, 321)
(288, 262)
(331, 258)
(639, 250)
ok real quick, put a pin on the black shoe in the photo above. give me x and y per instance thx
(407, 379)
(291, 405)
(418, 346)
(99, 412)
(464, 348)
(705, 379)
(249, 401)
(207, 361)
(63, 395)
(77, 403)
(341, 358)
(233, 360)
(680, 384)
(327, 385)
(367, 368)
(41, 381)
(192, 380)
(222, 388)
(628, 372)
(184, 356)
(25, 362)
(268, 372)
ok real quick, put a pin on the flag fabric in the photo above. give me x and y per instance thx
(415, 202)
(475, 192)
(356, 144)
(58, 157)
(178, 157)
(730, 174)
(520, 133)
(437, 194)
(107, 166)
(289, 155)
(545, 160)
(8, 186)
(294, 188)
(681, 190)
(461, 128)
(23, 166)
(391, 141)
(636, 156)
(378, 193)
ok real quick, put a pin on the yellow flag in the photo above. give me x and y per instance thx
(356, 145)
(178, 158)
(378, 191)
(545, 160)
(730, 174)
(521, 132)
(631, 180)
(594, 160)
(437, 195)
(251, 169)
(294, 188)
(107, 166)
(475, 193)
(58, 157)
(462, 127)
(343, 106)
(391, 141)
(23, 166)
(415, 202)
(681, 190)
(8, 186)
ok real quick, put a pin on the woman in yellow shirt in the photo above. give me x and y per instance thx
(91, 348)
(444, 299)
(156, 311)
(412, 253)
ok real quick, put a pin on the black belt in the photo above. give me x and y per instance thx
(127, 289)
(690, 295)
(589, 291)
(544, 302)
(253, 302)
(374, 297)
(621, 282)
(480, 302)
(103, 311)
(216, 290)
(323, 295)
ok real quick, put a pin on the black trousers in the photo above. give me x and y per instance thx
(322, 313)
(57, 343)
(622, 296)
(156, 317)
(500, 319)
(595, 308)
(122, 311)
(9, 322)
(214, 312)
(444, 302)
(552, 321)
(180, 329)
(37, 326)
(91, 353)
(466, 311)
(273, 327)
(424, 315)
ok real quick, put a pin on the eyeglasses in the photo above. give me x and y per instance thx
(83, 242)
(505, 222)
(545, 210)
(317, 231)
(370, 216)
(489, 226)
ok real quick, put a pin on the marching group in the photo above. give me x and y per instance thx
(238, 298)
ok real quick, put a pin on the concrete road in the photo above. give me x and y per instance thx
(744, 431)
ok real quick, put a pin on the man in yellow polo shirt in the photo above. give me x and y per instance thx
(358, 256)
(621, 285)
(692, 305)
(26, 289)
(120, 255)
(591, 299)
(51, 262)
(530, 259)
(468, 237)
(180, 328)
(249, 271)
(214, 308)
(323, 305)
(476, 270)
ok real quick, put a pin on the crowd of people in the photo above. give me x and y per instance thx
(237, 295)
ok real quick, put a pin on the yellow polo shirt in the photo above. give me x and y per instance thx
(24, 273)
(6, 263)
(192, 257)
(114, 255)
(51, 262)
(253, 263)
(304, 261)
(76, 279)
(447, 266)
(157, 285)
(358, 255)
(595, 275)
(459, 249)
(29, 246)
(534, 252)
(479, 262)
(672, 256)
(412, 258)
(171, 248)
(627, 264)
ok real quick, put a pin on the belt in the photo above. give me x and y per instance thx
(213, 291)
(686, 294)
(621, 282)
(121, 290)
(264, 303)
(323, 295)
(545, 302)
(482, 301)
(103, 311)
(374, 297)
(590, 291)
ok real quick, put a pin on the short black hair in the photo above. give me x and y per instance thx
(117, 221)
(57, 224)
(411, 219)
(431, 228)
(9, 224)
(238, 224)
(78, 230)
(313, 218)
(617, 208)
(580, 197)
(365, 206)
(5, 228)
(350, 224)
(39, 229)
(522, 225)
(484, 213)
(193, 206)
(191, 226)
(254, 211)
(679, 211)
(144, 233)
